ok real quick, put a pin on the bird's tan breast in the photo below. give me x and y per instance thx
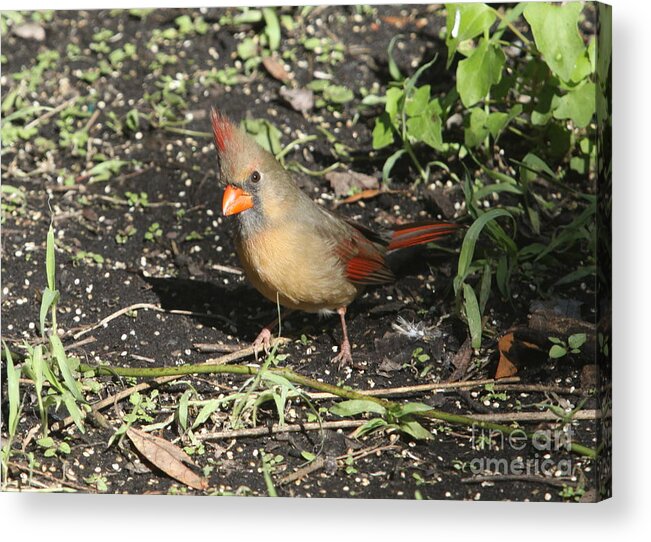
(298, 265)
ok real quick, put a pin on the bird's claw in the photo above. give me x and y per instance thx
(345, 357)
(262, 340)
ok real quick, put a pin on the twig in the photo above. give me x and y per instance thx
(52, 112)
(275, 429)
(46, 474)
(518, 478)
(537, 416)
(411, 390)
(308, 469)
(113, 399)
(146, 306)
(216, 347)
(226, 269)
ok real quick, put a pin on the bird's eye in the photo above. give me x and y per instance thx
(255, 177)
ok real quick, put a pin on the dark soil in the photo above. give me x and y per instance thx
(189, 266)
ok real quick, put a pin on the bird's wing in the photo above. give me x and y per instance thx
(360, 250)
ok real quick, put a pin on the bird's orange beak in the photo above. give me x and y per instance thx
(235, 200)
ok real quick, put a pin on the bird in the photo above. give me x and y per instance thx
(294, 251)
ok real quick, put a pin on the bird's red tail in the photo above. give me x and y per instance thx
(419, 233)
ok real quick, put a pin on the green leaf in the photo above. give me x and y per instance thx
(394, 71)
(357, 406)
(74, 410)
(464, 22)
(556, 35)
(394, 96)
(410, 408)
(383, 131)
(470, 240)
(577, 105)
(418, 101)
(247, 48)
(390, 162)
(428, 126)
(473, 316)
(577, 340)
(477, 73)
(265, 134)
(50, 261)
(64, 367)
(557, 351)
(13, 391)
(371, 425)
(416, 430)
(476, 131)
(338, 94)
(48, 300)
(272, 28)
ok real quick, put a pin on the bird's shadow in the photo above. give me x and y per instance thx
(236, 309)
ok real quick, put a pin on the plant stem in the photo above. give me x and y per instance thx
(296, 378)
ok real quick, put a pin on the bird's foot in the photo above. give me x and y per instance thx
(263, 340)
(345, 357)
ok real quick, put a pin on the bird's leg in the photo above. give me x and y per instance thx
(345, 356)
(264, 337)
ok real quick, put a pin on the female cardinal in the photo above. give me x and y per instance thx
(294, 251)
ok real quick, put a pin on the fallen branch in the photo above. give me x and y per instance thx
(113, 399)
(276, 428)
(455, 419)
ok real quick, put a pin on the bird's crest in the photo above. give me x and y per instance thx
(222, 129)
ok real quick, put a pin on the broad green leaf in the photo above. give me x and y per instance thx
(383, 131)
(477, 73)
(557, 351)
(476, 131)
(577, 105)
(357, 406)
(416, 104)
(416, 430)
(371, 425)
(247, 48)
(556, 35)
(265, 134)
(338, 94)
(428, 127)
(473, 316)
(392, 106)
(464, 22)
(577, 340)
(410, 408)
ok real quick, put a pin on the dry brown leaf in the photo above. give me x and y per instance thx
(276, 69)
(167, 457)
(342, 182)
(402, 22)
(505, 367)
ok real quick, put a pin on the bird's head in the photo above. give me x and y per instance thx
(256, 183)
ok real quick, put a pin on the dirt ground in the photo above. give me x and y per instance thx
(106, 261)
